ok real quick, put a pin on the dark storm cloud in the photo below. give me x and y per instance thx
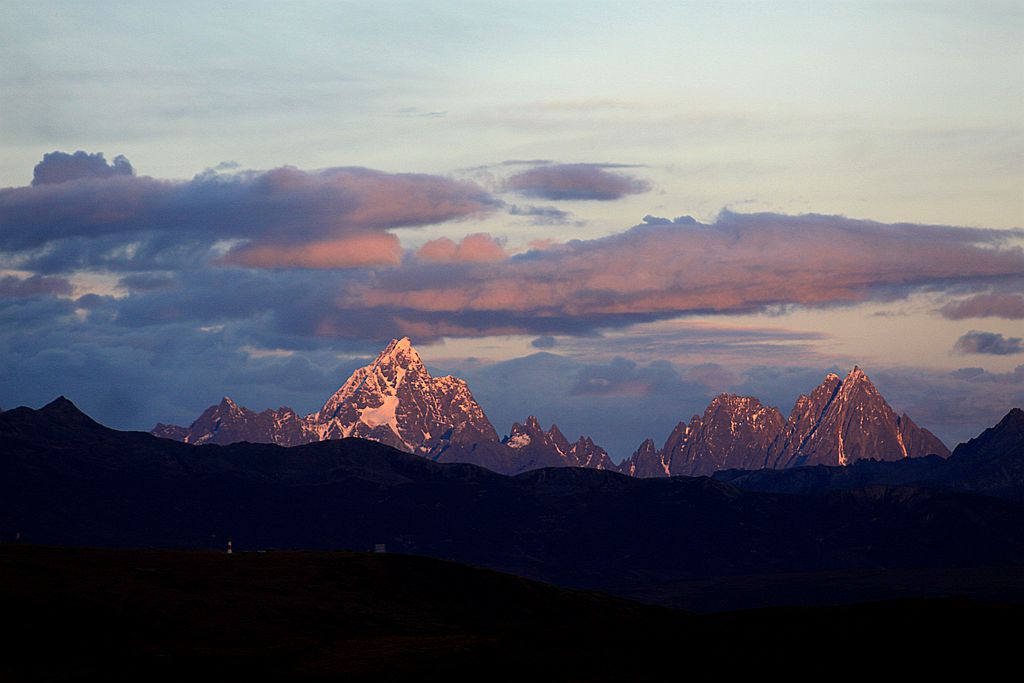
(991, 343)
(60, 167)
(573, 182)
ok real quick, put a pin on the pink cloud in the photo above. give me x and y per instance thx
(82, 212)
(479, 247)
(354, 251)
(741, 263)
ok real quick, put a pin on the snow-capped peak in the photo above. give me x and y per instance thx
(395, 400)
(400, 351)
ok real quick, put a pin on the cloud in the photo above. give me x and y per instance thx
(574, 181)
(123, 222)
(740, 264)
(713, 375)
(544, 342)
(661, 220)
(142, 282)
(60, 167)
(623, 377)
(541, 215)
(990, 343)
(354, 251)
(1010, 306)
(12, 286)
(476, 248)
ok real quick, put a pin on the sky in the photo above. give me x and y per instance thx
(603, 214)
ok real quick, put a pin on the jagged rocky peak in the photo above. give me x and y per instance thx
(735, 432)
(586, 453)
(558, 439)
(646, 460)
(842, 420)
(551, 447)
(395, 400)
(739, 410)
(530, 433)
(522, 435)
(846, 420)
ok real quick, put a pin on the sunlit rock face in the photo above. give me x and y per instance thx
(396, 401)
(393, 400)
(843, 420)
(846, 420)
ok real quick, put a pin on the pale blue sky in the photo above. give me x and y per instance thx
(891, 111)
(896, 112)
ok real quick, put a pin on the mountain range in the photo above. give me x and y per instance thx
(396, 401)
(67, 480)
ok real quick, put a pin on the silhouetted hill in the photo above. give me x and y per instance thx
(66, 480)
(157, 615)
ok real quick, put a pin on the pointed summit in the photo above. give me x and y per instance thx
(65, 412)
(558, 439)
(396, 401)
(735, 432)
(393, 400)
(60, 404)
(856, 374)
(401, 351)
(849, 420)
(530, 432)
(646, 461)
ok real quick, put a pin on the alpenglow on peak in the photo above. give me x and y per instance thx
(394, 400)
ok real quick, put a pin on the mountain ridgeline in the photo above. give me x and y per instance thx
(67, 480)
(396, 401)
(840, 422)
